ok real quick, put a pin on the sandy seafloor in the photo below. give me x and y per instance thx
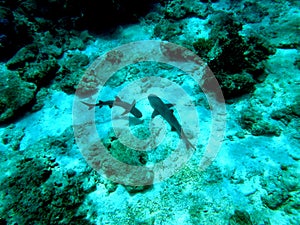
(254, 177)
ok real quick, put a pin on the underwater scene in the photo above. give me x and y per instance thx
(150, 112)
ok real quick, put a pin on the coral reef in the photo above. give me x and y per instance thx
(35, 181)
(252, 47)
(15, 96)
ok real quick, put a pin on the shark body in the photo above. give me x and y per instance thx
(160, 108)
(129, 108)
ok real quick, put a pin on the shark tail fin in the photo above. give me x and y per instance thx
(91, 106)
(188, 144)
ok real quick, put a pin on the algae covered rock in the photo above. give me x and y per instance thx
(254, 12)
(236, 84)
(240, 218)
(283, 115)
(76, 61)
(40, 97)
(237, 62)
(276, 198)
(12, 136)
(253, 122)
(71, 72)
(15, 95)
(41, 73)
(34, 64)
(24, 55)
(137, 189)
(125, 154)
(37, 178)
(168, 30)
(265, 128)
(33, 183)
(279, 188)
(180, 9)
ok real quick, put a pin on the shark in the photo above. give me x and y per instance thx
(129, 108)
(162, 109)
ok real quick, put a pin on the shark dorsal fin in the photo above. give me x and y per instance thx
(169, 105)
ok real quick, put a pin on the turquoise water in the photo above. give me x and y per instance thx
(191, 115)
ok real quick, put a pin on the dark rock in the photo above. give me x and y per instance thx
(153, 18)
(67, 81)
(24, 55)
(296, 109)
(14, 31)
(265, 128)
(75, 43)
(81, 14)
(240, 218)
(137, 189)
(283, 115)
(276, 198)
(71, 173)
(40, 97)
(15, 95)
(41, 73)
(253, 12)
(240, 134)
(203, 47)
(13, 136)
(176, 9)
(71, 72)
(235, 60)
(3, 221)
(236, 84)
(209, 1)
(181, 9)
(51, 199)
(6, 31)
(167, 30)
(76, 61)
(37, 182)
(251, 121)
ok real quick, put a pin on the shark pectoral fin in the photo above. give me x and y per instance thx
(130, 107)
(154, 114)
(125, 112)
(100, 104)
(133, 104)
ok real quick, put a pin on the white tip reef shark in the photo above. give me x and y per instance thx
(129, 108)
(160, 108)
